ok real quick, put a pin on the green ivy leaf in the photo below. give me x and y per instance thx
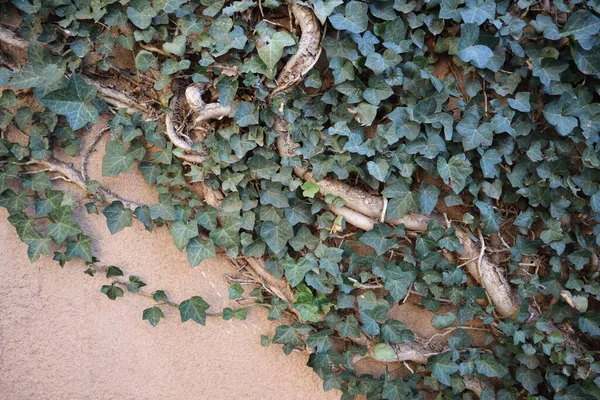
(473, 134)
(489, 366)
(81, 248)
(176, 46)
(271, 193)
(116, 159)
(589, 323)
(378, 169)
(227, 88)
(477, 54)
(144, 60)
(285, 334)
(394, 331)
(442, 366)
(529, 378)
(271, 51)
(478, 11)
(171, 67)
(403, 204)
(159, 296)
(113, 271)
(71, 102)
(65, 225)
(377, 238)
(235, 291)
(355, 18)
(428, 198)
(182, 232)
(246, 114)
(349, 327)
(521, 102)
(117, 217)
(443, 321)
(321, 340)
(198, 251)
(310, 189)
(194, 309)
(296, 271)
(111, 291)
(140, 13)
(276, 235)
(395, 389)
(324, 8)
(582, 25)
(153, 315)
(135, 283)
(455, 171)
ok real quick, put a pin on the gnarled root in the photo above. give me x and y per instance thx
(308, 50)
(414, 352)
(70, 174)
(202, 112)
(368, 207)
(278, 287)
(205, 112)
(488, 275)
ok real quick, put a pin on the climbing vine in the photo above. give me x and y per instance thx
(347, 157)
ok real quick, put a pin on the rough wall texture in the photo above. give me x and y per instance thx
(60, 338)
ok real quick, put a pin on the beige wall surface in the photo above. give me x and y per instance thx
(60, 338)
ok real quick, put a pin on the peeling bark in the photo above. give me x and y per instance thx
(414, 352)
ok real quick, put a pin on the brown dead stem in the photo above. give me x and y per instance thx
(489, 276)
